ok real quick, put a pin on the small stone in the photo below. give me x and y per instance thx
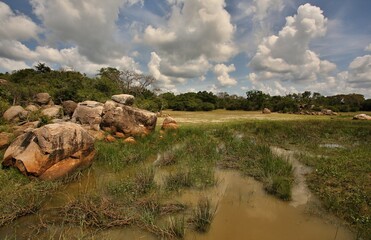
(110, 138)
(119, 135)
(130, 140)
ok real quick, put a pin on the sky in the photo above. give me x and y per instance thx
(276, 46)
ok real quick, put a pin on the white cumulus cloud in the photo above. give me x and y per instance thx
(89, 25)
(287, 57)
(196, 32)
(359, 73)
(222, 73)
(16, 26)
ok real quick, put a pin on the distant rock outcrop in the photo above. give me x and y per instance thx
(51, 151)
(128, 120)
(362, 117)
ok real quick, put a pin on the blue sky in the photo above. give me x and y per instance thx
(277, 46)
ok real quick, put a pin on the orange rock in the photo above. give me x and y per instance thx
(4, 139)
(130, 140)
(46, 148)
(110, 138)
(170, 126)
(169, 123)
(119, 135)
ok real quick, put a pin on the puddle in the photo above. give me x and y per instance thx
(245, 211)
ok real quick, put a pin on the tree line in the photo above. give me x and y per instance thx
(20, 87)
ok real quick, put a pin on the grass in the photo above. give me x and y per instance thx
(176, 226)
(125, 191)
(203, 215)
(177, 180)
(21, 196)
(133, 187)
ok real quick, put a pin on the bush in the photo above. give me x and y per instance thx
(3, 107)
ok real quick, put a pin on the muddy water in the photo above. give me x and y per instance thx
(245, 211)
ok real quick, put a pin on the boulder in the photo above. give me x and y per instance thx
(362, 117)
(3, 82)
(32, 108)
(27, 127)
(52, 111)
(15, 113)
(4, 139)
(125, 99)
(52, 151)
(128, 120)
(327, 112)
(169, 123)
(266, 111)
(69, 107)
(43, 99)
(88, 113)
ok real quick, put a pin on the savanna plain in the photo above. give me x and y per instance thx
(221, 175)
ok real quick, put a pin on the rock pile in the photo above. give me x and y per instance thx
(57, 149)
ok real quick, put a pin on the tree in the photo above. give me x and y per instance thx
(129, 81)
(42, 68)
(256, 99)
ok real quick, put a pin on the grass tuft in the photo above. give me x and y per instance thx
(203, 215)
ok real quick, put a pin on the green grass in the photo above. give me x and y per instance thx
(203, 215)
(20, 196)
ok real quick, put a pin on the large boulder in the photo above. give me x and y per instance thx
(362, 117)
(15, 113)
(125, 99)
(128, 120)
(69, 107)
(51, 151)
(52, 111)
(43, 99)
(88, 113)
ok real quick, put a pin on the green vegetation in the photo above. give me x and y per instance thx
(203, 215)
(123, 188)
(62, 85)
